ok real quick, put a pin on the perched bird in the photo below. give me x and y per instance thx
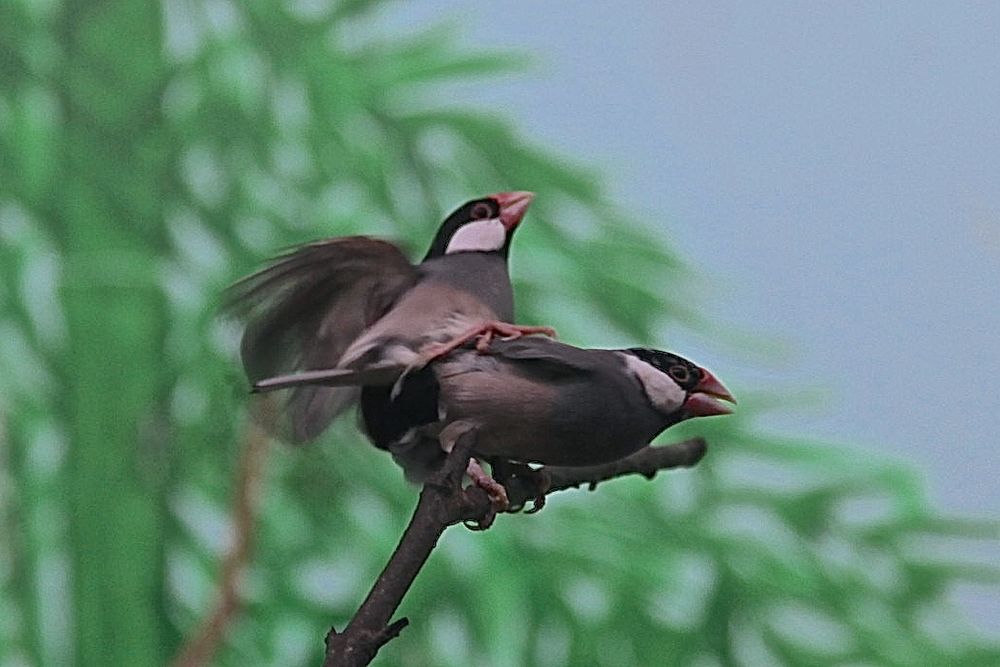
(358, 304)
(536, 400)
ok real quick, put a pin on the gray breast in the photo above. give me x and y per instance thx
(483, 275)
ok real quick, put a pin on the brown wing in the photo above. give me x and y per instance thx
(304, 310)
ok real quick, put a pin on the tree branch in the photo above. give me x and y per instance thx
(443, 502)
(202, 645)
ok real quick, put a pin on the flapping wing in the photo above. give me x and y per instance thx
(304, 310)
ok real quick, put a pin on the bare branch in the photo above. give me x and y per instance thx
(646, 462)
(443, 502)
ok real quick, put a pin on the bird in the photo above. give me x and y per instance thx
(357, 303)
(534, 400)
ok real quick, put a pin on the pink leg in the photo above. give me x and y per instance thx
(485, 333)
(497, 494)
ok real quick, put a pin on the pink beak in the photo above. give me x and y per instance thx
(704, 400)
(512, 206)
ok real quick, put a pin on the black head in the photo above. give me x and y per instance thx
(686, 374)
(700, 389)
(481, 225)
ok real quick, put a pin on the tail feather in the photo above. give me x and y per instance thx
(374, 374)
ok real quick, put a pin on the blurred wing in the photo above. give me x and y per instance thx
(304, 310)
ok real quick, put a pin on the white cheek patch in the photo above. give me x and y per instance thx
(478, 236)
(665, 394)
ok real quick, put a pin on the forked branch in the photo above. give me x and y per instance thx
(444, 502)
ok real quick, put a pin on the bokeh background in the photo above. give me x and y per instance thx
(803, 199)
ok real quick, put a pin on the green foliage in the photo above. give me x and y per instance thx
(150, 154)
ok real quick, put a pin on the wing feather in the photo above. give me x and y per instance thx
(301, 313)
(546, 358)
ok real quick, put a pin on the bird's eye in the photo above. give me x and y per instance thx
(680, 374)
(480, 211)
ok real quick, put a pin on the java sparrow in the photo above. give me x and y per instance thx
(536, 400)
(357, 303)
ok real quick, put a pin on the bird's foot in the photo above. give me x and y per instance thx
(494, 490)
(538, 481)
(484, 333)
(506, 331)
(542, 482)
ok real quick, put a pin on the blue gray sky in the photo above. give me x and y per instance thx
(832, 170)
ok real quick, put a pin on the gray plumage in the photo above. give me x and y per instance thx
(452, 294)
(305, 310)
(356, 302)
(541, 401)
(536, 400)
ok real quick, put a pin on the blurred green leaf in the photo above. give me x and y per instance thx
(151, 153)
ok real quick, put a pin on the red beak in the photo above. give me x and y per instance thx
(512, 206)
(704, 400)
